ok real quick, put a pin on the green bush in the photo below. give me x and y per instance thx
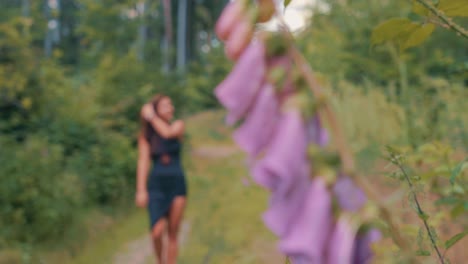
(107, 170)
(38, 200)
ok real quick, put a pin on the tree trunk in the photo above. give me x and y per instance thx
(25, 8)
(48, 37)
(182, 35)
(167, 44)
(142, 32)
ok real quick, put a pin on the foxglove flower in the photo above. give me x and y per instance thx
(231, 15)
(350, 197)
(307, 239)
(239, 39)
(341, 244)
(316, 133)
(285, 206)
(300, 209)
(363, 252)
(238, 90)
(285, 161)
(259, 126)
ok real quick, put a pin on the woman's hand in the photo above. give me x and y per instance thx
(147, 112)
(141, 199)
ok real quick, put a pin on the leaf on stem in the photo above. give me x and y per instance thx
(453, 240)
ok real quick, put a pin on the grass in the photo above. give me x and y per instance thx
(224, 210)
(102, 236)
(105, 245)
(224, 213)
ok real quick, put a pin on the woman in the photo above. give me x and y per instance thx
(164, 192)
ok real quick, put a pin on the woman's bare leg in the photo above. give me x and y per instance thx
(157, 237)
(175, 217)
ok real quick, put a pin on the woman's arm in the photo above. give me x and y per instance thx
(143, 166)
(174, 130)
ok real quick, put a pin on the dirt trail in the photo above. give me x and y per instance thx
(140, 251)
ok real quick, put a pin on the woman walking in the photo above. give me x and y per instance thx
(163, 191)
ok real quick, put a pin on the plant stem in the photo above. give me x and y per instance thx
(421, 213)
(344, 152)
(448, 21)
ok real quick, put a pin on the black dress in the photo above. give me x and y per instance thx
(167, 179)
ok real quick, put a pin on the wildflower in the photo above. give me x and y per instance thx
(349, 196)
(341, 244)
(363, 251)
(285, 159)
(259, 126)
(309, 232)
(237, 92)
(231, 15)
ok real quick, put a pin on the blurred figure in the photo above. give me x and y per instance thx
(164, 191)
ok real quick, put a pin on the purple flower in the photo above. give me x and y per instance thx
(260, 124)
(237, 92)
(230, 15)
(316, 132)
(301, 259)
(285, 161)
(349, 196)
(307, 238)
(341, 244)
(362, 251)
(284, 207)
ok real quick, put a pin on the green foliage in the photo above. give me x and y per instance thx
(407, 33)
(67, 133)
(458, 170)
(453, 8)
(430, 168)
(378, 120)
(38, 200)
(403, 31)
(107, 170)
(449, 243)
(203, 78)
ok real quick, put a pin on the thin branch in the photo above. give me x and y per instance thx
(344, 152)
(448, 21)
(421, 213)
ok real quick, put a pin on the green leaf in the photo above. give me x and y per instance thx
(447, 200)
(419, 9)
(287, 2)
(457, 210)
(454, 7)
(423, 253)
(390, 30)
(453, 240)
(418, 36)
(457, 170)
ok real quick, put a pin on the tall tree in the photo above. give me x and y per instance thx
(182, 18)
(142, 8)
(168, 32)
